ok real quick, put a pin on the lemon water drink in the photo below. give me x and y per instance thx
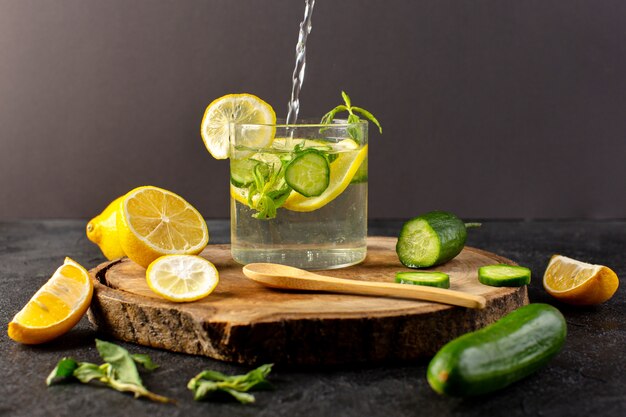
(299, 193)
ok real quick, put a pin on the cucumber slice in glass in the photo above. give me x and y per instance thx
(430, 278)
(308, 173)
(242, 171)
(504, 275)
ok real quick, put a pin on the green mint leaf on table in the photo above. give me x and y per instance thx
(242, 397)
(87, 371)
(144, 360)
(213, 385)
(121, 362)
(352, 116)
(119, 371)
(63, 371)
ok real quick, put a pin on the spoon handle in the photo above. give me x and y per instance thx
(314, 282)
(417, 292)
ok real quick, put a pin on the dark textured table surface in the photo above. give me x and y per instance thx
(587, 378)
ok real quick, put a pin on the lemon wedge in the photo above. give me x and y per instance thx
(153, 222)
(56, 307)
(182, 277)
(238, 108)
(579, 283)
(342, 171)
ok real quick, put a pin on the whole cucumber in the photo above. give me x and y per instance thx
(498, 355)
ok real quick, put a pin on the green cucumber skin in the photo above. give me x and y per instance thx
(522, 279)
(445, 284)
(500, 354)
(450, 231)
(442, 280)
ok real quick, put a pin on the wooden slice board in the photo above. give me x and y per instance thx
(242, 321)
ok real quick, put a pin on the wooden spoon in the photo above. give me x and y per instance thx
(281, 276)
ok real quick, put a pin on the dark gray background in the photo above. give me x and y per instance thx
(499, 108)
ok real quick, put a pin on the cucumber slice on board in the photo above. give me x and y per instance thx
(429, 278)
(431, 239)
(504, 275)
(308, 173)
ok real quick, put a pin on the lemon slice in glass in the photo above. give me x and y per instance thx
(182, 277)
(238, 108)
(153, 222)
(342, 171)
(56, 307)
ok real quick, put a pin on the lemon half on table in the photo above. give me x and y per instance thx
(237, 108)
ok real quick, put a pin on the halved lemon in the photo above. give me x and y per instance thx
(342, 171)
(153, 222)
(579, 283)
(56, 307)
(102, 230)
(182, 277)
(238, 108)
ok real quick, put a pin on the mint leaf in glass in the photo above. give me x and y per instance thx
(353, 117)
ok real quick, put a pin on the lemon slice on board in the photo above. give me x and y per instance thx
(153, 222)
(182, 277)
(56, 307)
(342, 171)
(238, 108)
(579, 283)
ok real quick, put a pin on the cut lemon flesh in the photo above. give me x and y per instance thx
(182, 277)
(237, 108)
(342, 171)
(154, 222)
(579, 283)
(56, 307)
(240, 195)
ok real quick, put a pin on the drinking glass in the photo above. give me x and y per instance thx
(272, 222)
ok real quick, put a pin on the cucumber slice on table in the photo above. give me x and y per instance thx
(308, 173)
(430, 278)
(504, 275)
(431, 239)
(242, 171)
